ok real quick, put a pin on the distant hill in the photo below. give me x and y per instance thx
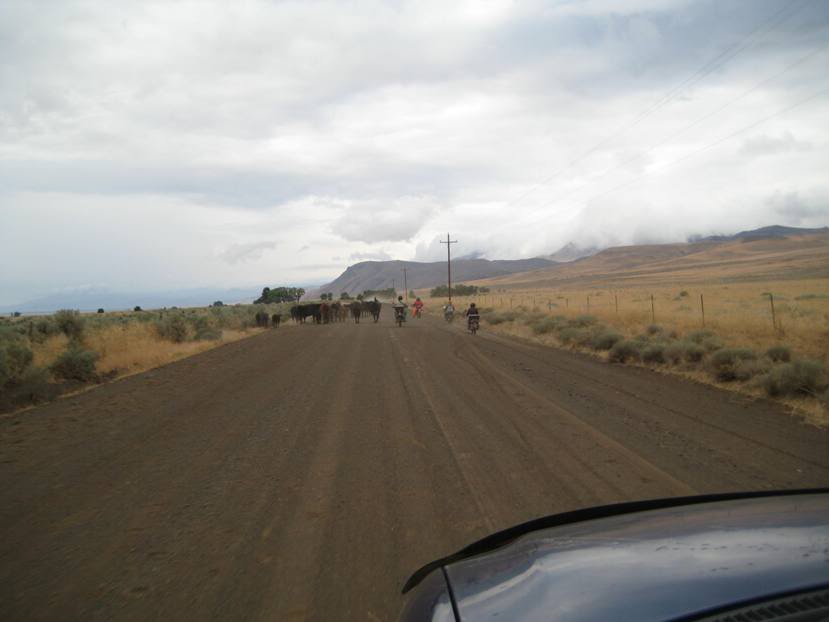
(743, 257)
(381, 274)
(90, 299)
(772, 231)
(572, 252)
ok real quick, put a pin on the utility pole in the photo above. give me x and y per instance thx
(449, 244)
(405, 283)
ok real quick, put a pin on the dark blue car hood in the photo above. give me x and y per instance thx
(655, 565)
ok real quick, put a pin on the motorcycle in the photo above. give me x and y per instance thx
(399, 315)
(473, 324)
(417, 312)
(449, 315)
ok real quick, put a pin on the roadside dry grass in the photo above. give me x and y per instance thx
(41, 357)
(657, 304)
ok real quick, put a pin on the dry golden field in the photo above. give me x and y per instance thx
(755, 295)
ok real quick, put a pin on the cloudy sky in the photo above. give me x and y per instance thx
(191, 144)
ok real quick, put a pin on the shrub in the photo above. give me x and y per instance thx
(654, 353)
(623, 351)
(694, 352)
(724, 363)
(15, 360)
(172, 328)
(605, 339)
(70, 323)
(711, 344)
(683, 294)
(32, 387)
(797, 378)
(654, 329)
(574, 336)
(100, 310)
(204, 331)
(779, 354)
(674, 352)
(137, 308)
(75, 364)
(698, 336)
(583, 321)
(544, 326)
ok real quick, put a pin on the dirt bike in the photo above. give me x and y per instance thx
(399, 315)
(449, 315)
(473, 324)
(418, 313)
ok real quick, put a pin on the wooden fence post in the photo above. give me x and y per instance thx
(653, 311)
(616, 298)
(773, 317)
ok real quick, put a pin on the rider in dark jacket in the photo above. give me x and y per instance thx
(472, 314)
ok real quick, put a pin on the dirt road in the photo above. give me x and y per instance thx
(306, 472)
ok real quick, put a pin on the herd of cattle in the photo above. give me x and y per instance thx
(324, 313)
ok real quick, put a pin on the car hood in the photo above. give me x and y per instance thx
(653, 565)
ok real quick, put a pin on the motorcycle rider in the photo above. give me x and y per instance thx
(448, 310)
(399, 307)
(471, 314)
(418, 307)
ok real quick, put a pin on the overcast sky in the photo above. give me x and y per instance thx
(175, 144)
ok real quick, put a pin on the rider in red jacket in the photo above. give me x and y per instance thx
(418, 307)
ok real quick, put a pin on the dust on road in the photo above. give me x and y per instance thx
(304, 474)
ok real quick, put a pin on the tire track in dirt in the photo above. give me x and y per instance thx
(302, 474)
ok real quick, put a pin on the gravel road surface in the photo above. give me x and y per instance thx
(304, 473)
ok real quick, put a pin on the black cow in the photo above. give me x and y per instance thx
(374, 309)
(356, 311)
(275, 319)
(261, 319)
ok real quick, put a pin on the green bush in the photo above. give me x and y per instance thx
(544, 326)
(779, 354)
(15, 360)
(797, 378)
(605, 339)
(574, 336)
(75, 364)
(698, 336)
(70, 323)
(675, 352)
(623, 351)
(583, 321)
(204, 330)
(654, 353)
(694, 352)
(712, 344)
(173, 328)
(724, 363)
(654, 329)
(43, 329)
(32, 387)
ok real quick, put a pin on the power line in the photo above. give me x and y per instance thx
(696, 122)
(708, 146)
(709, 67)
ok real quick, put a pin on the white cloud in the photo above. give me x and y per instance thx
(223, 144)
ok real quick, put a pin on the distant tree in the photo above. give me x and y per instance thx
(345, 296)
(412, 294)
(359, 296)
(279, 294)
(100, 310)
(136, 308)
(329, 296)
(16, 314)
(218, 303)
